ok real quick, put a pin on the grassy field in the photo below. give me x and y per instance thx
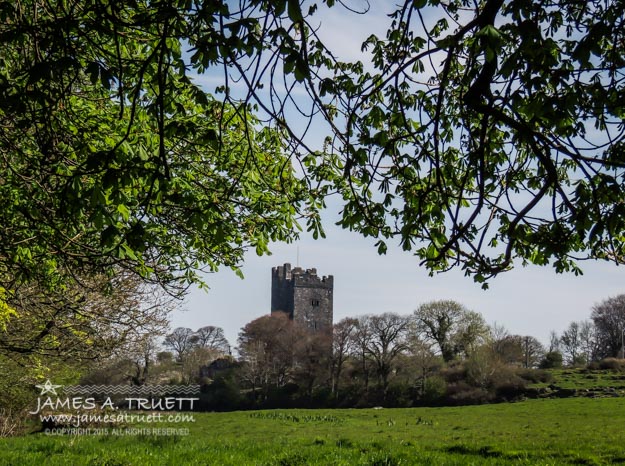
(548, 432)
(584, 379)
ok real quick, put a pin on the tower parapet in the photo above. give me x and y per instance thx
(303, 295)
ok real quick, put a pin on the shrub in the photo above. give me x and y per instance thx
(510, 389)
(397, 396)
(223, 394)
(434, 389)
(349, 396)
(579, 361)
(552, 360)
(454, 373)
(461, 393)
(505, 375)
(593, 366)
(504, 383)
(10, 424)
(535, 375)
(612, 364)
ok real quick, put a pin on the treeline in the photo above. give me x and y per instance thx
(442, 353)
(593, 340)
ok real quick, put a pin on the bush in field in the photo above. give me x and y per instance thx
(398, 395)
(461, 393)
(11, 423)
(579, 361)
(535, 375)
(482, 378)
(593, 366)
(434, 389)
(455, 372)
(552, 360)
(222, 394)
(348, 396)
(504, 375)
(509, 388)
(612, 364)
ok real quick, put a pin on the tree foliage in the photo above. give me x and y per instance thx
(111, 156)
(455, 329)
(87, 321)
(473, 132)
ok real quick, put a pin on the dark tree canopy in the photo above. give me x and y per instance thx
(473, 132)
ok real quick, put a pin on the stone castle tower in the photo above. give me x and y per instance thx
(304, 296)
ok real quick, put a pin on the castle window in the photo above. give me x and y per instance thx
(315, 302)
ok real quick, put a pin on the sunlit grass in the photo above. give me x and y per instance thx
(567, 431)
(581, 378)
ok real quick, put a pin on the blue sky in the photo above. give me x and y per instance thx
(528, 301)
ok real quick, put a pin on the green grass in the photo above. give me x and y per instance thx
(546, 432)
(584, 379)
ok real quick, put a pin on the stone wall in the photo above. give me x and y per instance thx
(306, 297)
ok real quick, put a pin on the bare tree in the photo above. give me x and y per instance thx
(497, 332)
(571, 342)
(554, 342)
(508, 349)
(267, 348)
(180, 341)
(588, 337)
(388, 340)
(609, 319)
(212, 338)
(515, 349)
(342, 343)
(361, 339)
(533, 351)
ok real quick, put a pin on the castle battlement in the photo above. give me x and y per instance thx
(303, 295)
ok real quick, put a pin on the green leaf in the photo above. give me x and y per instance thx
(124, 211)
(294, 11)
